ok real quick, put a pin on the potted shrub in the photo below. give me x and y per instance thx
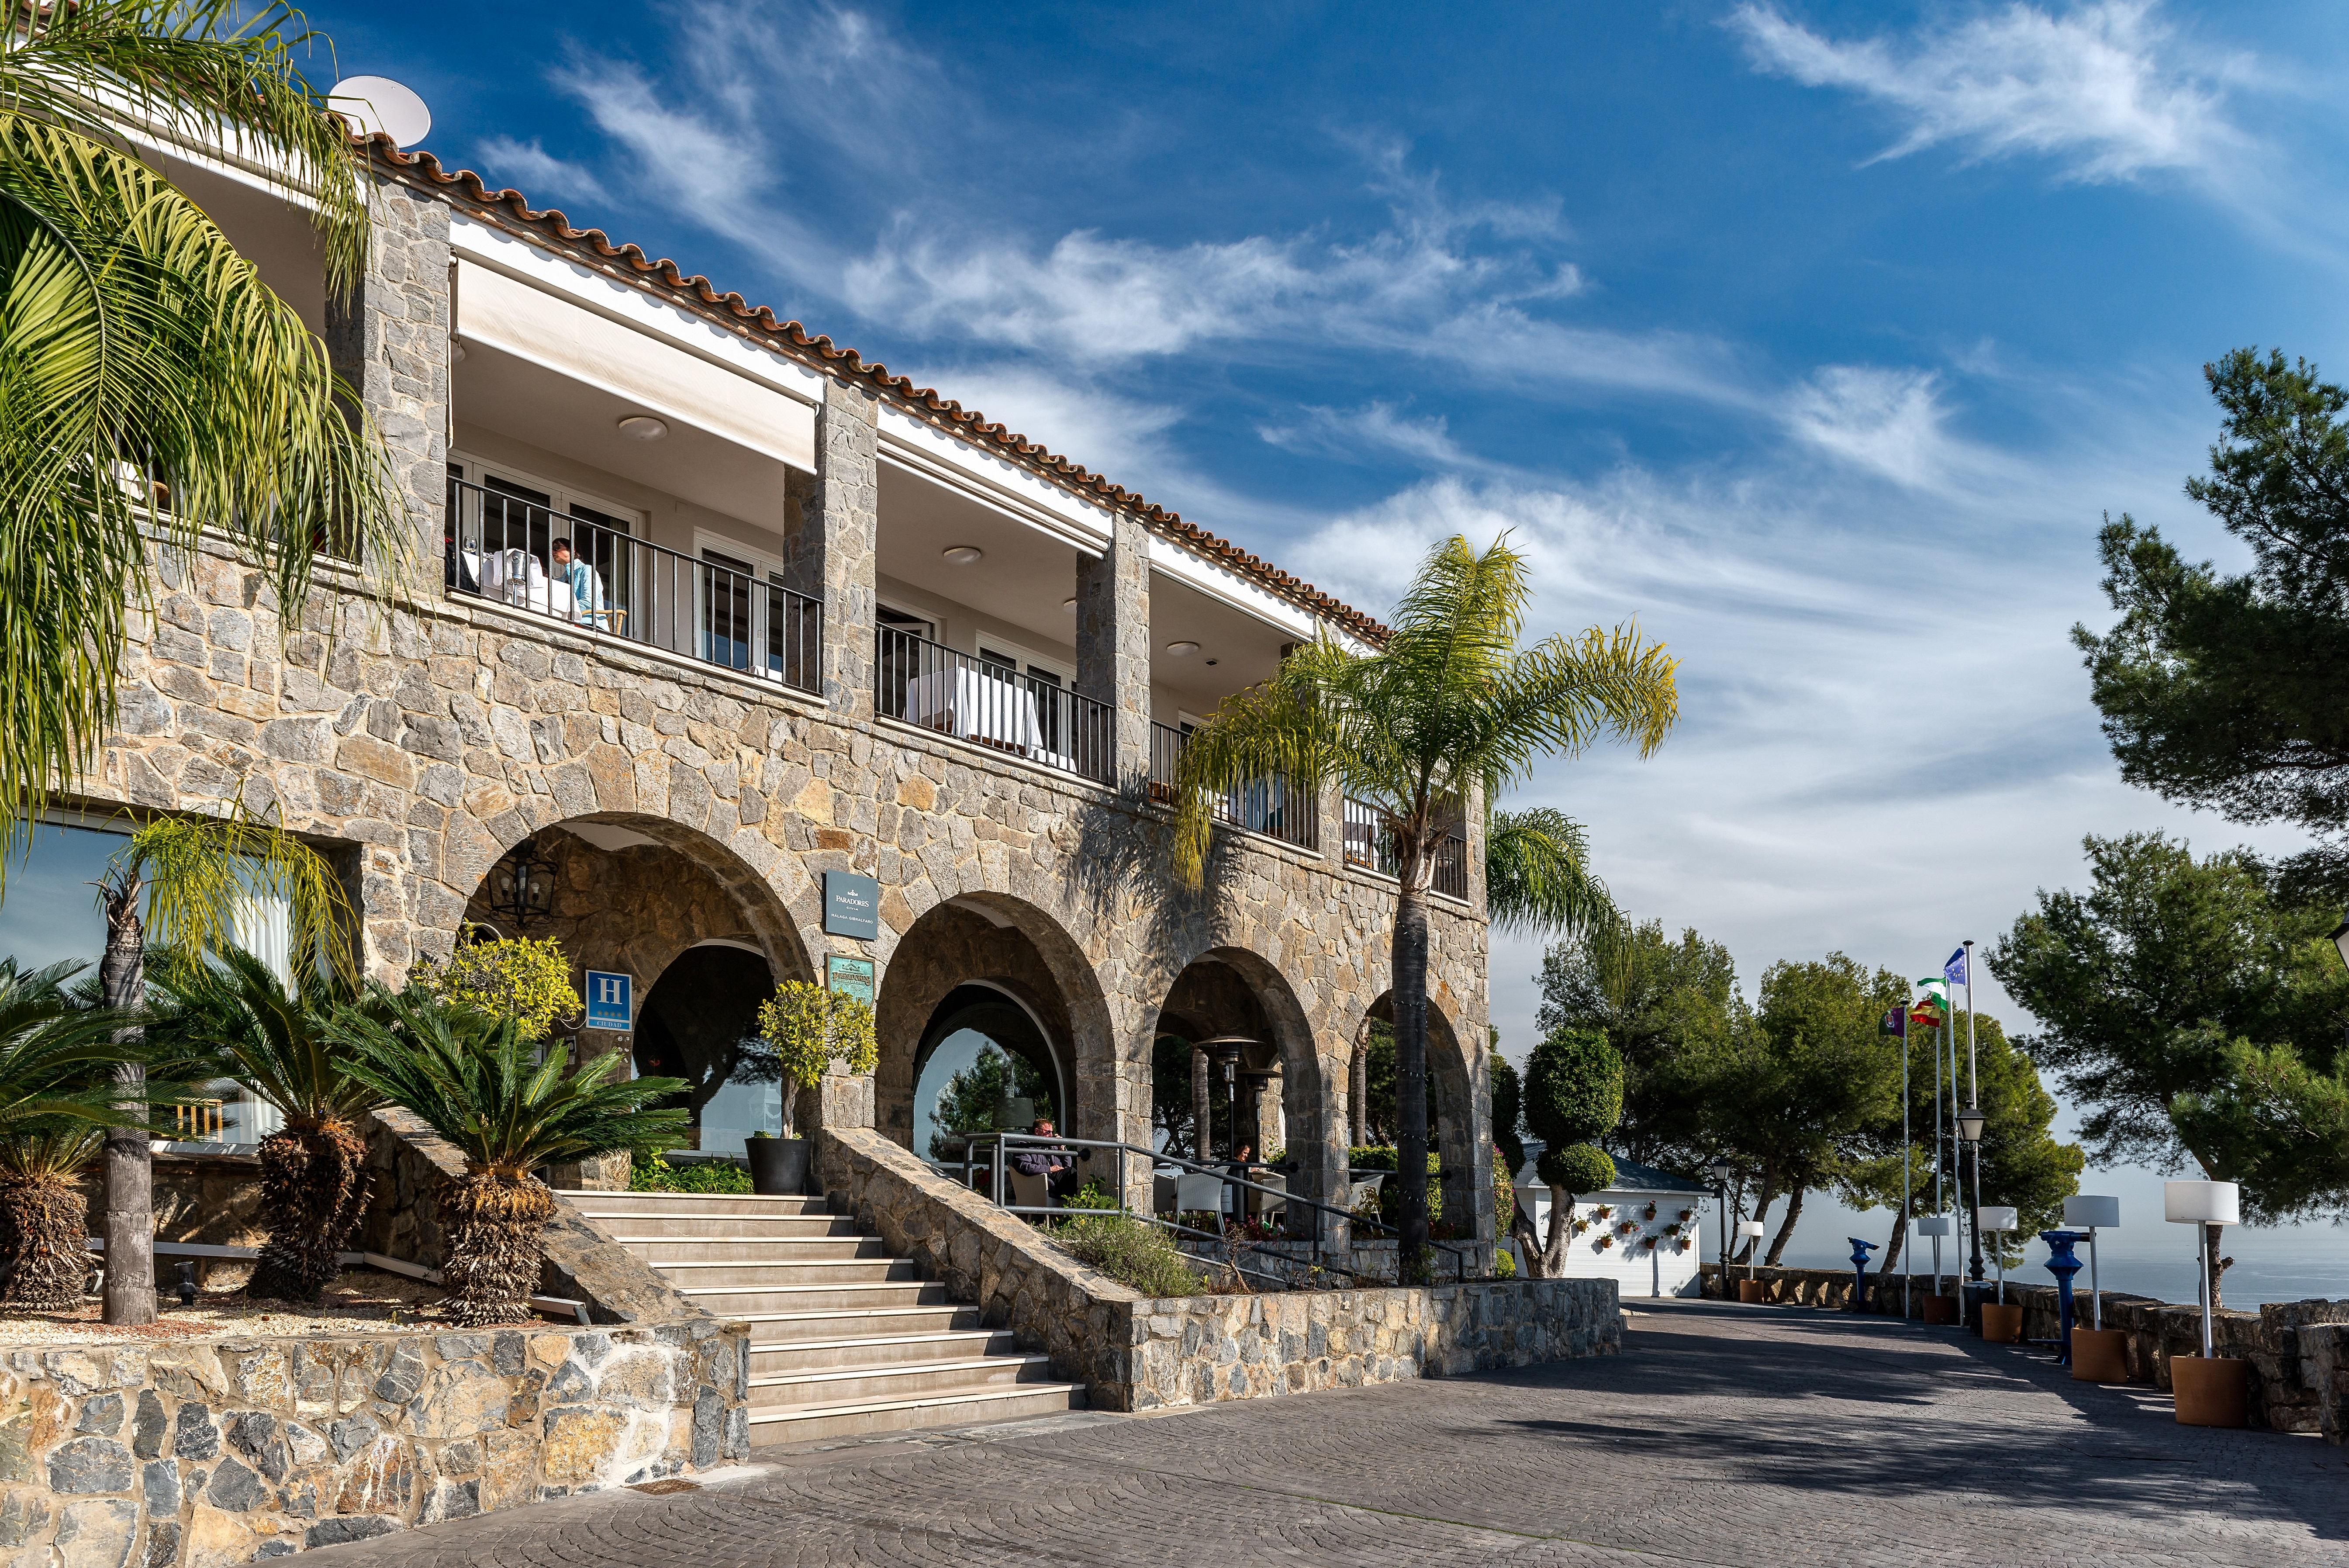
(472, 1077)
(810, 1029)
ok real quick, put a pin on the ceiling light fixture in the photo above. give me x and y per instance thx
(1182, 650)
(1071, 606)
(963, 554)
(644, 428)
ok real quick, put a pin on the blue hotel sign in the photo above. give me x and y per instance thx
(610, 1000)
(851, 905)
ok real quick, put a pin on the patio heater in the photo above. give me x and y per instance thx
(1226, 1052)
(1721, 1170)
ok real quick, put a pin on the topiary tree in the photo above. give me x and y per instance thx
(809, 1028)
(1573, 1095)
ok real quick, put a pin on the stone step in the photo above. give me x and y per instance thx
(897, 1380)
(772, 1357)
(787, 1327)
(662, 1251)
(737, 1303)
(695, 1203)
(854, 1417)
(802, 1271)
(746, 1227)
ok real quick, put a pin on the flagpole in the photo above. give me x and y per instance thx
(1908, 1183)
(1939, 1206)
(1973, 1100)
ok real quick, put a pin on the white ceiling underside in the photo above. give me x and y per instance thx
(1026, 575)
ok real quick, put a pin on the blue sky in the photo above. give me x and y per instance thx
(1815, 336)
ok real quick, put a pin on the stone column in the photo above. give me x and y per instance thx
(1472, 829)
(840, 524)
(389, 339)
(1113, 644)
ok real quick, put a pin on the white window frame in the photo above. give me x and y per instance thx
(562, 496)
(987, 643)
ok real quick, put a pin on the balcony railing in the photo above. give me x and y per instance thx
(1271, 806)
(1368, 846)
(991, 704)
(500, 548)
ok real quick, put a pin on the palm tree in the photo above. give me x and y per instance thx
(1448, 712)
(234, 1018)
(471, 1078)
(188, 879)
(152, 386)
(56, 1102)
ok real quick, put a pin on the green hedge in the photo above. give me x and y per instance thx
(714, 1176)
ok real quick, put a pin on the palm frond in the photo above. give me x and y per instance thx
(1537, 876)
(213, 73)
(473, 1079)
(57, 1056)
(234, 1018)
(200, 872)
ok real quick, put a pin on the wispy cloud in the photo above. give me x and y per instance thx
(544, 176)
(2102, 89)
(1351, 434)
(1889, 422)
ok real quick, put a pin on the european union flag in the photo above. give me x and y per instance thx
(1954, 971)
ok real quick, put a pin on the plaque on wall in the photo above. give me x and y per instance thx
(850, 976)
(851, 905)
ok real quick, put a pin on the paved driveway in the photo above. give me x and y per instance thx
(1723, 1435)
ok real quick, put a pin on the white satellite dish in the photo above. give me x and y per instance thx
(378, 103)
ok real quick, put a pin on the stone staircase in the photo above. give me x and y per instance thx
(844, 1339)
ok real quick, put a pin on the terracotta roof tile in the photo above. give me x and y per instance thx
(513, 211)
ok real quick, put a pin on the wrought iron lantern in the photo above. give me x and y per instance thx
(521, 885)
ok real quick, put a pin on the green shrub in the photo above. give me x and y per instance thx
(712, 1176)
(1383, 1157)
(1505, 1193)
(1094, 1195)
(1132, 1251)
(1504, 1265)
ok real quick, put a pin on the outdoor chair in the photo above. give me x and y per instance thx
(1030, 1191)
(1196, 1191)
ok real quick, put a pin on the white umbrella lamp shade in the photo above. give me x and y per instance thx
(1933, 1225)
(2202, 1202)
(1999, 1219)
(2093, 1214)
(1752, 1230)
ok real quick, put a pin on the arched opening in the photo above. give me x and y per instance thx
(1452, 1119)
(1269, 1097)
(699, 1023)
(984, 1063)
(700, 935)
(990, 990)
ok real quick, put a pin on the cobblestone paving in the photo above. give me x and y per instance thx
(1723, 1435)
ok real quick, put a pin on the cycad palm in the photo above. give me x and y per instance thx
(469, 1077)
(1451, 706)
(142, 358)
(235, 1019)
(56, 1102)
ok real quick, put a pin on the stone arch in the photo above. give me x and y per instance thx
(1229, 990)
(1016, 949)
(1458, 1089)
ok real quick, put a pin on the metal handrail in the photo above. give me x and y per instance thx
(1271, 805)
(998, 1172)
(499, 547)
(987, 704)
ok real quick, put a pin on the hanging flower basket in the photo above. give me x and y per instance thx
(1605, 1242)
(1651, 1211)
(1687, 1214)
(1626, 1228)
(1580, 1226)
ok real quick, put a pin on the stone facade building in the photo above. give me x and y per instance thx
(831, 623)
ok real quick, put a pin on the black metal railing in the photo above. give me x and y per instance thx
(499, 548)
(1368, 846)
(1271, 805)
(988, 703)
(989, 1155)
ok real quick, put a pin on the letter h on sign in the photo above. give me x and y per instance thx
(610, 1000)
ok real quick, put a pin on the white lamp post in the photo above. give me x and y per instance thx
(2093, 1214)
(2202, 1204)
(1997, 1221)
(1936, 1226)
(1753, 1229)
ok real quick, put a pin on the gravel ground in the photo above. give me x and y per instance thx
(360, 1300)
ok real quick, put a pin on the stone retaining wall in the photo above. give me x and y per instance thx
(1134, 1353)
(204, 1454)
(2298, 1351)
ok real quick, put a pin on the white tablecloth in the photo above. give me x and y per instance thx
(970, 706)
(519, 578)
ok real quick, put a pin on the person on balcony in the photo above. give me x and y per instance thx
(588, 606)
(1057, 1166)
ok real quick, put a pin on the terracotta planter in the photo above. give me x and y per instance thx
(1942, 1309)
(2099, 1355)
(2002, 1325)
(1749, 1291)
(2212, 1393)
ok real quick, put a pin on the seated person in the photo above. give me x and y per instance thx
(1057, 1166)
(588, 606)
